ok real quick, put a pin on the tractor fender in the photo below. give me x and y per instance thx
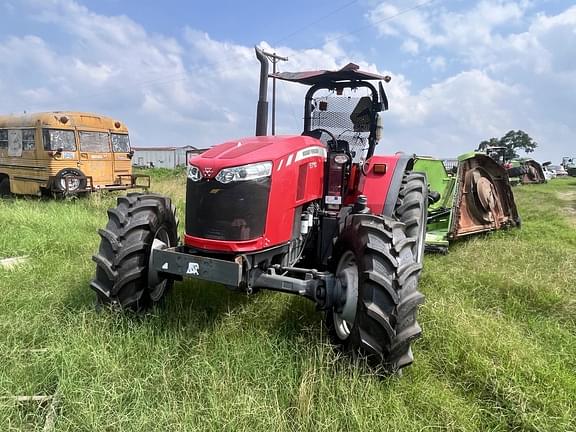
(404, 162)
(381, 187)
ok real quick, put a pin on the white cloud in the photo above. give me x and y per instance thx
(519, 71)
(410, 46)
(199, 90)
(437, 63)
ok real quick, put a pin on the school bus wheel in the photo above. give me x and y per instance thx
(4, 186)
(76, 180)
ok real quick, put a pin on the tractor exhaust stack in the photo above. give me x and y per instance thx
(262, 108)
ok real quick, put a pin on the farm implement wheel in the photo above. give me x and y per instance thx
(412, 210)
(375, 266)
(139, 223)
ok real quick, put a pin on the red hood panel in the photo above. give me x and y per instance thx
(253, 149)
(242, 148)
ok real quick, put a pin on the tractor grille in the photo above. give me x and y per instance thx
(235, 211)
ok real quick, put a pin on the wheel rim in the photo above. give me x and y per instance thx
(347, 273)
(156, 284)
(73, 184)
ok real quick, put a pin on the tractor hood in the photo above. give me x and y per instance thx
(277, 149)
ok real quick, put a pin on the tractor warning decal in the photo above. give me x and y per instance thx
(193, 269)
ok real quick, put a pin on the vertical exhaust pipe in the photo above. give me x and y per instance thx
(262, 108)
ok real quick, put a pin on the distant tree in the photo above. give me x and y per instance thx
(492, 142)
(512, 141)
(518, 140)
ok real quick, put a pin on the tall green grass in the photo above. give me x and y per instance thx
(498, 350)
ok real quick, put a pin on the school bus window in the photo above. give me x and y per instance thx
(55, 139)
(3, 139)
(28, 143)
(120, 143)
(96, 142)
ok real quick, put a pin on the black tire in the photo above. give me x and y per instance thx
(387, 300)
(122, 262)
(412, 210)
(59, 184)
(517, 171)
(4, 186)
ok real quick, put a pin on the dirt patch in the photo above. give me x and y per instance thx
(569, 212)
(567, 196)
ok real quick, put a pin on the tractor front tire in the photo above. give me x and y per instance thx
(412, 210)
(375, 265)
(138, 223)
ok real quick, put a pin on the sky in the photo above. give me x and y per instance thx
(184, 72)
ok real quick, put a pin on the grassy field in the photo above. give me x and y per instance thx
(498, 351)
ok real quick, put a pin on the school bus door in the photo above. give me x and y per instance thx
(96, 157)
(122, 155)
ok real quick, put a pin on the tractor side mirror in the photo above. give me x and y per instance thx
(383, 97)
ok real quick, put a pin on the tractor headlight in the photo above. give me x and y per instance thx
(194, 173)
(245, 172)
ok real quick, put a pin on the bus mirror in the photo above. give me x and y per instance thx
(130, 154)
(56, 153)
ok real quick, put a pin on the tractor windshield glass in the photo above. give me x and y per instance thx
(346, 115)
(120, 143)
(55, 139)
(96, 142)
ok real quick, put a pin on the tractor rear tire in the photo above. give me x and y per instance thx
(122, 264)
(412, 210)
(378, 317)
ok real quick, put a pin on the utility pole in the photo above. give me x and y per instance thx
(274, 59)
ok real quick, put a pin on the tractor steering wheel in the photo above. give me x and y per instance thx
(330, 134)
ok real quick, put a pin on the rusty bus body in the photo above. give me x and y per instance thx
(65, 153)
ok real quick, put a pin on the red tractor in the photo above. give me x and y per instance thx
(316, 215)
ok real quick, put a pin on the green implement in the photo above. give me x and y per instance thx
(525, 171)
(468, 196)
(569, 164)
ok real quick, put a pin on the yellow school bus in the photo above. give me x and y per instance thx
(65, 153)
